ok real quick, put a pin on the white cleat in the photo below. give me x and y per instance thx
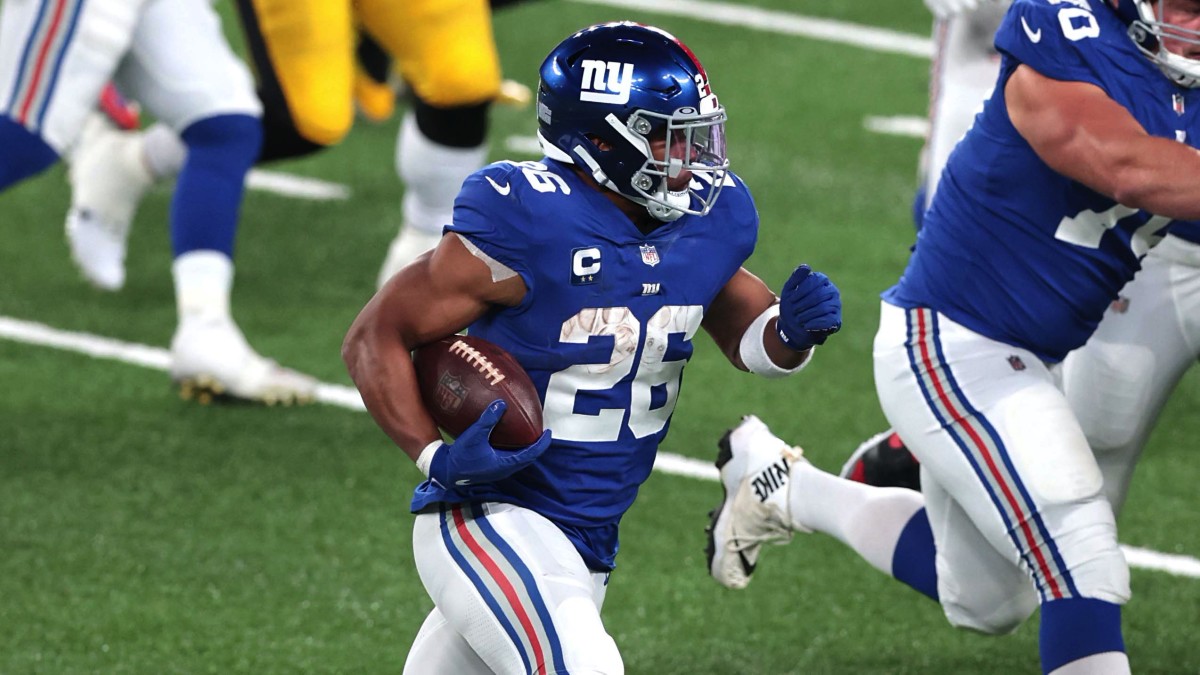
(211, 359)
(755, 475)
(108, 179)
(405, 248)
(98, 248)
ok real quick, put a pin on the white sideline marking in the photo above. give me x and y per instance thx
(898, 125)
(157, 358)
(300, 187)
(784, 23)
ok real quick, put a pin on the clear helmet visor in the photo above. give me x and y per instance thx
(685, 174)
(1165, 43)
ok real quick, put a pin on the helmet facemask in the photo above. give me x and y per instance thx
(1151, 33)
(694, 143)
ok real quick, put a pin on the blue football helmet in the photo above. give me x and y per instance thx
(625, 85)
(1148, 31)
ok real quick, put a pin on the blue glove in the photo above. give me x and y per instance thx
(810, 309)
(471, 459)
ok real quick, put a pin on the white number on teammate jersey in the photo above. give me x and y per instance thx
(542, 178)
(652, 371)
(1087, 228)
(1077, 21)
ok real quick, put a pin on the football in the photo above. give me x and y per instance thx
(460, 375)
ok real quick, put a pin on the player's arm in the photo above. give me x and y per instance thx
(1082, 133)
(437, 295)
(768, 335)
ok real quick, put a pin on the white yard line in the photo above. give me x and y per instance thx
(897, 125)
(157, 358)
(783, 23)
(1171, 563)
(300, 187)
(525, 145)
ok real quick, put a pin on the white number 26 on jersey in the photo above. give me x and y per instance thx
(652, 371)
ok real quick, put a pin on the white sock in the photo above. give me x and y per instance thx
(865, 518)
(432, 174)
(1106, 663)
(203, 283)
(163, 151)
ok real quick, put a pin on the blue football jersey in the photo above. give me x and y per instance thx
(604, 332)
(1010, 248)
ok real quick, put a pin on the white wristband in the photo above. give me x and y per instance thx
(754, 352)
(426, 457)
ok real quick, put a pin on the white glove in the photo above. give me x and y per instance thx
(944, 9)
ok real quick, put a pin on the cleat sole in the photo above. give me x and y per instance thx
(206, 390)
(724, 454)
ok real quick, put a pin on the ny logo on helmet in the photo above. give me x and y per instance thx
(606, 81)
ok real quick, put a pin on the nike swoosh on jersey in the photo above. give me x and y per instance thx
(1034, 36)
(463, 481)
(502, 189)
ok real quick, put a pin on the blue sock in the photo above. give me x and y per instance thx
(913, 560)
(208, 197)
(25, 154)
(1077, 627)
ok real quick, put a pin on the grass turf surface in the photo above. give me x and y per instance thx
(142, 534)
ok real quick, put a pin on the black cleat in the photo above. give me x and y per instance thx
(884, 461)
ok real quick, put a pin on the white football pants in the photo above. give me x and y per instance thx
(1118, 382)
(1012, 489)
(169, 55)
(511, 596)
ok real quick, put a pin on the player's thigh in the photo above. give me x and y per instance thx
(444, 48)
(515, 588)
(1119, 382)
(182, 69)
(309, 45)
(55, 57)
(993, 430)
(438, 648)
(979, 587)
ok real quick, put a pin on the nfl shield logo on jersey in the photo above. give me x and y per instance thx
(450, 393)
(649, 254)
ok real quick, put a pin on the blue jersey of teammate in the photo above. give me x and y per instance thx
(604, 331)
(1014, 250)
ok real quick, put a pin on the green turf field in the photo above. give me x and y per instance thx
(143, 534)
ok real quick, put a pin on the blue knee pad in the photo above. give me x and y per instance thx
(208, 196)
(25, 153)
